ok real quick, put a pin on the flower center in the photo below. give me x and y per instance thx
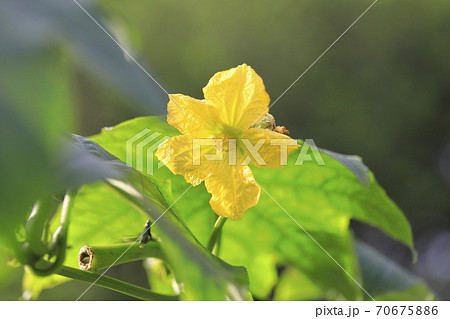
(223, 143)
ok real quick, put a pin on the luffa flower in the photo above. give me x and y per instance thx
(220, 138)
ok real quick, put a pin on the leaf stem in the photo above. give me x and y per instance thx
(215, 233)
(99, 257)
(113, 284)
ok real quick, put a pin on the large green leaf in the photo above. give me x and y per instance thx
(320, 198)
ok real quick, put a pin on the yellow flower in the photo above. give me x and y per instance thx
(220, 138)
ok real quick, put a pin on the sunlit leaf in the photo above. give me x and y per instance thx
(294, 285)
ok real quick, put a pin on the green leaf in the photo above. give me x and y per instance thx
(267, 238)
(419, 292)
(294, 285)
(326, 197)
(320, 198)
(384, 279)
(160, 277)
(354, 163)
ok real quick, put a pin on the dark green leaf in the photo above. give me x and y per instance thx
(383, 277)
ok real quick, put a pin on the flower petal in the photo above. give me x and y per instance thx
(178, 155)
(191, 116)
(239, 96)
(266, 148)
(233, 189)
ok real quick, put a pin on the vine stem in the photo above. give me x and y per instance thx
(113, 284)
(99, 257)
(215, 233)
(57, 246)
(35, 225)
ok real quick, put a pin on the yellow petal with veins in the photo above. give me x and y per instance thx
(266, 148)
(239, 96)
(181, 157)
(191, 116)
(233, 190)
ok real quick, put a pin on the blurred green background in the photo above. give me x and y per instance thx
(381, 92)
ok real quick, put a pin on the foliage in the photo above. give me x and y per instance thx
(286, 241)
(307, 234)
(321, 198)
